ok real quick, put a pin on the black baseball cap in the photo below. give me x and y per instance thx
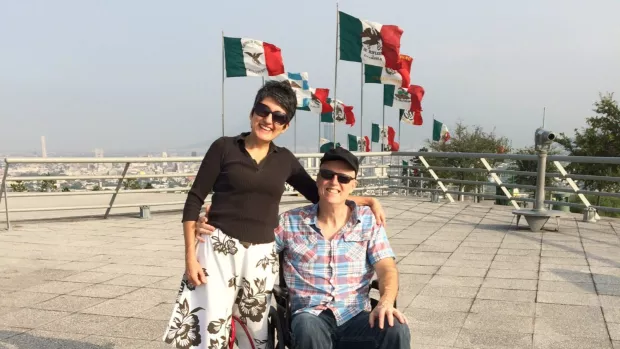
(341, 154)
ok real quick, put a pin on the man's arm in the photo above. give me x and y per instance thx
(387, 273)
(382, 258)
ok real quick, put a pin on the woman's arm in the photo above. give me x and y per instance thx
(374, 205)
(301, 181)
(207, 174)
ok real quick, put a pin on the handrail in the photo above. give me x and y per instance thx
(102, 160)
(127, 162)
(524, 157)
(373, 181)
(513, 172)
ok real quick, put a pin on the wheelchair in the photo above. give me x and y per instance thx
(280, 335)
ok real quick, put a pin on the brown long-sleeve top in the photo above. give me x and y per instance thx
(246, 195)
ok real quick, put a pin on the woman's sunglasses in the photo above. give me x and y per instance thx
(329, 175)
(278, 117)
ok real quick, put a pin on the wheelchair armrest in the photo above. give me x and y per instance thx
(373, 302)
(374, 284)
(280, 292)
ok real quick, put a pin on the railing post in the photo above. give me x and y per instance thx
(6, 197)
(539, 204)
(6, 170)
(498, 182)
(381, 181)
(574, 186)
(434, 175)
(118, 187)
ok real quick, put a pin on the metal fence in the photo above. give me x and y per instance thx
(378, 176)
(567, 180)
(5, 195)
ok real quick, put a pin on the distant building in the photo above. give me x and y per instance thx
(43, 147)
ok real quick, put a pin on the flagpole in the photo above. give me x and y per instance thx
(336, 74)
(223, 77)
(383, 129)
(362, 104)
(399, 122)
(433, 124)
(319, 134)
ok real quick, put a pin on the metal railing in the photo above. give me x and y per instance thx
(562, 175)
(387, 180)
(10, 163)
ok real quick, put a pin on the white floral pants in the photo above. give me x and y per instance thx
(240, 278)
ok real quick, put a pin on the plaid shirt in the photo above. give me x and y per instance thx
(330, 274)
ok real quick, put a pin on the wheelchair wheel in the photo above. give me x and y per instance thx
(275, 330)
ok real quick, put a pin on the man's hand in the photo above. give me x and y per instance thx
(195, 274)
(202, 227)
(376, 208)
(383, 310)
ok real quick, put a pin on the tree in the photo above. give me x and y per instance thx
(148, 186)
(96, 188)
(48, 185)
(466, 140)
(132, 183)
(76, 185)
(530, 166)
(65, 189)
(18, 187)
(599, 138)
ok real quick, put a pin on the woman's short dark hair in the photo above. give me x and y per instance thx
(282, 93)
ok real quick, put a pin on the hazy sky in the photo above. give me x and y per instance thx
(146, 74)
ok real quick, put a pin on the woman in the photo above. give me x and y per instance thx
(246, 174)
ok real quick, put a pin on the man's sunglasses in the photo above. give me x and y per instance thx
(329, 175)
(278, 117)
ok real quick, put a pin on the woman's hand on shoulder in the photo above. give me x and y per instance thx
(202, 228)
(377, 210)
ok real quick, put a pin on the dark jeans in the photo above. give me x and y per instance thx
(321, 332)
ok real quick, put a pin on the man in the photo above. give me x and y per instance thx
(331, 251)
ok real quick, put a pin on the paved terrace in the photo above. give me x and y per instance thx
(468, 280)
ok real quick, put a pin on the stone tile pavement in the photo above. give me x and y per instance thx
(468, 279)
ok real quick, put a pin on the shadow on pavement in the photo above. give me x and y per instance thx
(21, 340)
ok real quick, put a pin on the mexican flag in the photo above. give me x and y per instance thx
(440, 131)
(409, 100)
(343, 113)
(396, 97)
(368, 42)
(299, 84)
(376, 133)
(386, 135)
(358, 143)
(326, 145)
(382, 75)
(406, 116)
(318, 101)
(394, 146)
(249, 57)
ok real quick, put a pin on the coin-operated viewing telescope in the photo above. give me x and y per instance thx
(539, 215)
(543, 139)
